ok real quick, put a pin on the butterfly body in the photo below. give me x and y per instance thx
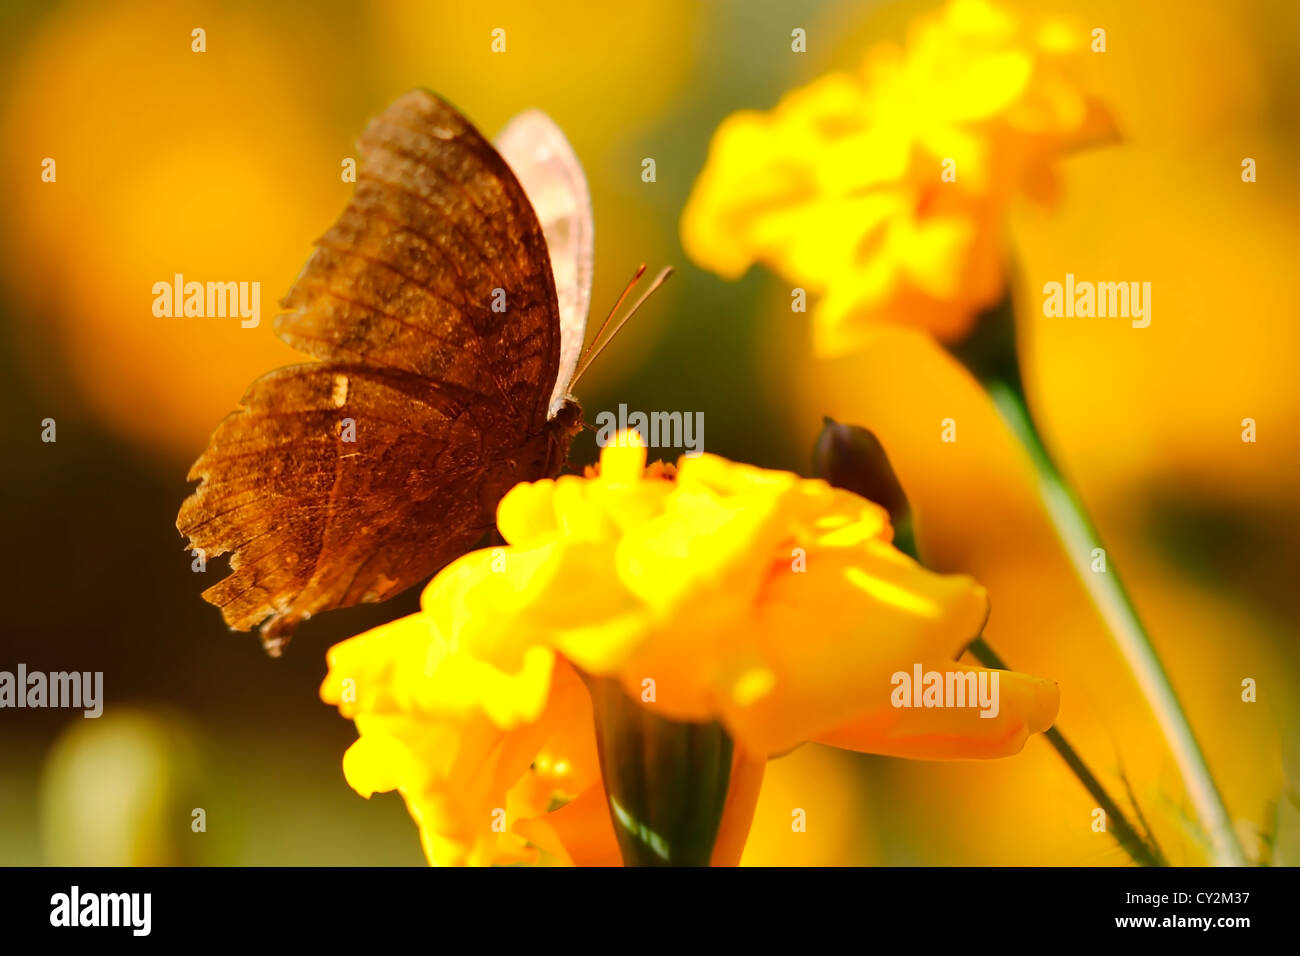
(432, 308)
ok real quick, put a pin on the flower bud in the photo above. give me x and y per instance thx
(852, 458)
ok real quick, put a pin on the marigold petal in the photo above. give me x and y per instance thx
(738, 812)
(526, 515)
(580, 833)
(1026, 705)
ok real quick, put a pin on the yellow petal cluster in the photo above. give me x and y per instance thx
(884, 192)
(473, 750)
(724, 592)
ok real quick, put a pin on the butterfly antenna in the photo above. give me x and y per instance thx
(604, 325)
(595, 352)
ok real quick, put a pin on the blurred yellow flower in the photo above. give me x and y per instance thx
(885, 191)
(693, 589)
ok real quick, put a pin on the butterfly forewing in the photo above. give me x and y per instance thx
(350, 479)
(438, 265)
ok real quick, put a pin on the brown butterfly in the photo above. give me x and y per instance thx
(448, 337)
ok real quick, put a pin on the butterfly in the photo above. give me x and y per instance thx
(447, 309)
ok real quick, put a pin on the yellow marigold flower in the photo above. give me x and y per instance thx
(768, 602)
(841, 187)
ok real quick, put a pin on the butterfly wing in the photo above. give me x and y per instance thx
(352, 478)
(551, 175)
(437, 266)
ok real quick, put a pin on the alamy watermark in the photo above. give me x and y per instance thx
(951, 689)
(179, 298)
(79, 690)
(683, 430)
(130, 910)
(1086, 300)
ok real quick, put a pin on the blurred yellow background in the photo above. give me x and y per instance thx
(225, 165)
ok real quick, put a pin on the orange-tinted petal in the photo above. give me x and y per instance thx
(1025, 705)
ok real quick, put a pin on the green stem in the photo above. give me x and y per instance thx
(990, 355)
(1144, 853)
(1080, 538)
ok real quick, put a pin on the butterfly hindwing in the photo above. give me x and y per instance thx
(549, 170)
(351, 479)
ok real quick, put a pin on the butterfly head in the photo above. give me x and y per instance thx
(568, 417)
(561, 429)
